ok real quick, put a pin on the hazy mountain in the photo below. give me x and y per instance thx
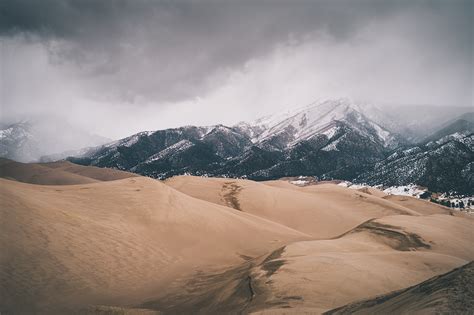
(17, 142)
(30, 140)
(415, 122)
(463, 125)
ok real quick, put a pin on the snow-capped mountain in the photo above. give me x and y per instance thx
(169, 152)
(320, 118)
(327, 139)
(448, 166)
(333, 127)
(444, 163)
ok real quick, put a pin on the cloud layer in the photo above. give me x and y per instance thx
(117, 67)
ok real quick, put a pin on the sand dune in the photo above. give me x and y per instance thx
(115, 241)
(422, 206)
(373, 191)
(110, 242)
(323, 212)
(57, 173)
(438, 295)
(378, 257)
(315, 276)
(341, 194)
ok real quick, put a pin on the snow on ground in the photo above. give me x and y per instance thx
(177, 147)
(455, 136)
(129, 141)
(407, 190)
(6, 132)
(333, 145)
(351, 185)
(383, 134)
(299, 182)
(357, 186)
(302, 180)
(413, 190)
(463, 202)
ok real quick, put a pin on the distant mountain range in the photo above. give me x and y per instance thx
(327, 139)
(29, 140)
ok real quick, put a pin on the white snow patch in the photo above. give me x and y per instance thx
(384, 135)
(357, 186)
(177, 147)
(407, 190)
(299, 182)
(351, 185)
(6, 132)
(333, 145)
(127, 142)
(330, 132)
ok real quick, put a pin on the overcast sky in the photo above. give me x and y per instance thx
(118, 67)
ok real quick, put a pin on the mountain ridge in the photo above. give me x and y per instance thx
(327, 139)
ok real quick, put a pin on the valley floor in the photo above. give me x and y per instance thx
(86, 240)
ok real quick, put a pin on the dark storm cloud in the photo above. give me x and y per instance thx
(172, 50)
(123, 66)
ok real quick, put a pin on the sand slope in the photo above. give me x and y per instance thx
(323, 213)
(438, 295)
(115, 242)
(394, 248)
(422, 206)
(378, 257)
(57, 173)
(311, 277)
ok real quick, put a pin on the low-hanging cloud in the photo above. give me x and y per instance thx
(161, 62)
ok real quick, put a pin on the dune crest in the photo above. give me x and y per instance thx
(323, 211)
(58, 173)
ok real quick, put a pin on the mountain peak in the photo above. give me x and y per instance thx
(318, 117)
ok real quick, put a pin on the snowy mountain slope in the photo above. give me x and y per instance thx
(318, 118)
(327, 139)
(127, 153)
(445, 165)
(444, 161)
(414, 122)
(254, 129)
(344, 154)
(459, 128)
(227, 142)
(332, 129)
(180, 146)
(167, 152)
